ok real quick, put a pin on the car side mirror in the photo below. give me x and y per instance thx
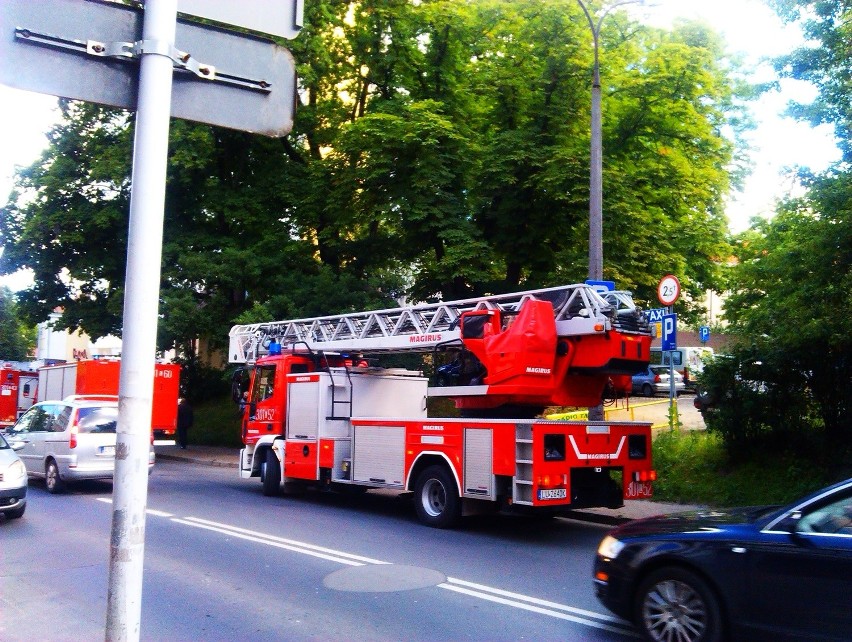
(17, 445)
(790, 524)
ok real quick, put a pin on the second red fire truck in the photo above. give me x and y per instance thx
(318, 412)
(101, 377)
(17, 391)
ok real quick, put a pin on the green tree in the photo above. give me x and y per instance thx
(789, 380)
(16, 340)
(440, 149)
(825, 61)
(791, 291)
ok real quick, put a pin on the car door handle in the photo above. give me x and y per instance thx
(738, 549)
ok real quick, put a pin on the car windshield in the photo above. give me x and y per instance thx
(97, 419)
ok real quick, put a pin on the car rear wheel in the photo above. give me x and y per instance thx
(647, 390)
(676, 605)
(52, 480)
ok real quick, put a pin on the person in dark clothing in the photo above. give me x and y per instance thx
(184, 422)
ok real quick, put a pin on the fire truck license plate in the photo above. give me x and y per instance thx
(552, 493)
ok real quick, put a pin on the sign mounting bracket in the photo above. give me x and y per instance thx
(131, 51)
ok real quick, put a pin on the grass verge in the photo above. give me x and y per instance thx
(692, 467)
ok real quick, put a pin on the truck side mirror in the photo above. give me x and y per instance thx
(252, 409)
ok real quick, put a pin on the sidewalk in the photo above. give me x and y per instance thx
(632, 509)
(208, 455)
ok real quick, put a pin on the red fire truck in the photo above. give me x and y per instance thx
(318, 412)
(100, 377)
(17, 391)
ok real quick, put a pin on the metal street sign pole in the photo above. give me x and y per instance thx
(142, 286)
(82, 50)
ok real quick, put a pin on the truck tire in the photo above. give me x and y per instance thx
(436, 499)
(271, 474)
(52, 481)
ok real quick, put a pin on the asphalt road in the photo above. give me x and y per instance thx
(223, 562)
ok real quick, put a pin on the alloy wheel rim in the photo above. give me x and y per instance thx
(673, 611)
(51, 476)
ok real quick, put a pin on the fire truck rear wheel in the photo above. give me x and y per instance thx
(271, 474)
(436, 499)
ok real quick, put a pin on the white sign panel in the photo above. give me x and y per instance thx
(83, 50)
(276, 17)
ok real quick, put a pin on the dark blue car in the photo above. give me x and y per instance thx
(743, 574)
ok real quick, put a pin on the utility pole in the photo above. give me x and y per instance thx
(596, 160)
(596, 155)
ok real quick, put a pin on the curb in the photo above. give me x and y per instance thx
(204, 461)
(597, 518)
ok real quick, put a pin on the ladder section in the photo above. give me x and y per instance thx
(578, 309)
(522, 483)
(336, 401)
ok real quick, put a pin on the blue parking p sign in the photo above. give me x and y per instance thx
(669, 338)
(704, 333)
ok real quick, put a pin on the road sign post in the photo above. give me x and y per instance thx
(668, 292)
(139, 337)
(83, 49)
(669, 344)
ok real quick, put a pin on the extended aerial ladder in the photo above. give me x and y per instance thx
(577, 310)
(556, 346)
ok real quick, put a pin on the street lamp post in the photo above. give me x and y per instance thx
(596, 413)
(596, 160)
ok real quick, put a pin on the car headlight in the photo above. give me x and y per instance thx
(610, 547)
(16, 470)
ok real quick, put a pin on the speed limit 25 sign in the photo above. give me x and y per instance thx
(668, 290)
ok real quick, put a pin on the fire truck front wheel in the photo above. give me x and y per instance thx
(271, 474)
(436, 499)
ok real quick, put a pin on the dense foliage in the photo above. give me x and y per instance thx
(16, 339)
(790, 380)
(440, 149)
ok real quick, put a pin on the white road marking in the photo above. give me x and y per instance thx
(491, 594)
(149, 511)
(480, 591)
(527, 603)
(279, 542)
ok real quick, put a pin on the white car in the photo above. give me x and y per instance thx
(13, 482)
(70, 440)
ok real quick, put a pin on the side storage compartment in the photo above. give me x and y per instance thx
(379, 455)
(478, 463)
